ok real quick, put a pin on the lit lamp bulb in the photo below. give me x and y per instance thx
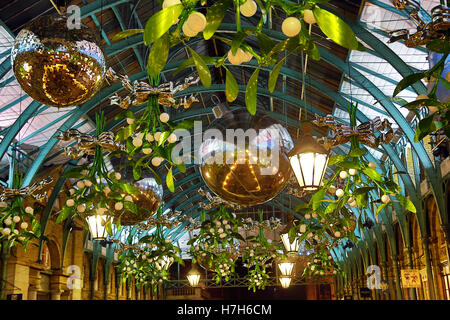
(286, 267)
(291, 247)
(291, 26)
(97, 225)
(193, 276)
(196, 22)
(285, 281)
(249, 8)
(308, 160)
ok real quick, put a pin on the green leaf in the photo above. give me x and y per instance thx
(202, 69)
(160, 23)
(362, 199)
(363, 190)
(273, 76)
(214, 17)
(237, 41)
(169, 180)
(231, 87)
(336, 159)
(265, 43)
(126, 132)
(313, 51)
(128, 188)
(317, 198)
(185, 124)
(425, 127)
(64, 214)
(381, 207)
(413, 105)
(357, 152)
(361, 47)
(158, 55)
(439, 46)
(131, 206)
(336, 29)
(251, 92)
(373, 174)
(137, 171)
(163, 137)
(126, 33)
(407, 81)
(190, 63)
(181, 167)
(301, 207)
(406, 203)
(155, 175)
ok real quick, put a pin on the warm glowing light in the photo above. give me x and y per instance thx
(285, 282)
(291, 247)
(193, 276)
(98, 226)
(286, 267)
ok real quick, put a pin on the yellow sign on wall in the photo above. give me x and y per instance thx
(410, 278)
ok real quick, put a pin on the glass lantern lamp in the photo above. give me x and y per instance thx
(308, 160)
(286, 267)
(98, 225)
(285, 281)
(193, 276)
(291, 247)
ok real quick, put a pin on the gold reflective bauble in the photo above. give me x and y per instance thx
(58, 66)
(244, 158)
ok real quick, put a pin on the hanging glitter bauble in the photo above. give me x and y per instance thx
(58, 66)
(245, 173)
(147, 201)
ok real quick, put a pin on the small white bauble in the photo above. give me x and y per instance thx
(16, 219)
(343, 174)
(308, 16)
(149, 137)
(137, 142)
(351, 199)
(339, 193)
(332, 189)
(307, 216)
(130, 120)
(353, 204)
(24, 225)
(314, 215)
(106, 190)
(81, 208)
(157, 136)
(352, 172)
(337, 234)
(29, 210)
(164, 117)
(291, 26)
(248, 9)
(80, 184)
(385, 198)
(6, 231)
(7, 221)
(310, 235)
(372, 165)
(196, 21)
(87, 183)
(70, 202)
(118, 206)
(303, 228)
(118, 175)
(169, 3)
(234, 59)
(147, 150)
(187, 31)
(156, 161)
(128, 198)
(172, 138)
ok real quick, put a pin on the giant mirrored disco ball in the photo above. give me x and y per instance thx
(58, 66)
(147, 201)
(251, 168)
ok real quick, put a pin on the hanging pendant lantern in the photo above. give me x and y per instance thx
(98, 225)
(286, 267)
(285, 281)
(309, 160)
(290, 247)
(193, 276)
